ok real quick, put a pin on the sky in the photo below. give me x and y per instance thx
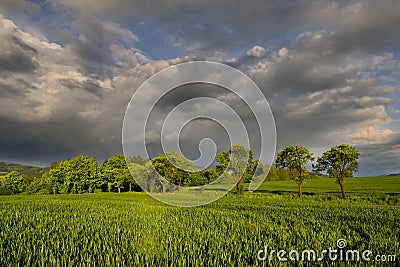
(330, 71)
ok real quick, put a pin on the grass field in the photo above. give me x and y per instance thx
(354, 186)
(132, 229)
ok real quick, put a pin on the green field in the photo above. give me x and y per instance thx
(366, 186)
(132, 229)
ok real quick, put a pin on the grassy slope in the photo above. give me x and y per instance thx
(26, 170)
(353, 186)
(132, 229)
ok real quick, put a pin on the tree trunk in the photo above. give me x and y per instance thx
(301, 190)
(162, 188)
(130, 187)
(239, 185)
(342, 189)
(119, 189)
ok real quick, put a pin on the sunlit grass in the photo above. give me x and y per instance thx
(132, 229)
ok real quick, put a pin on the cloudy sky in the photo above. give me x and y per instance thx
(329, 69)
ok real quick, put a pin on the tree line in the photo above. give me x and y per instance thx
(84, 174)
(118, 173)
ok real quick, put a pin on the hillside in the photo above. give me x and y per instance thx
(26, 170)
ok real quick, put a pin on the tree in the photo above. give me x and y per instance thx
(293, 158)
(208, 176)
(236, 161)
(339, 162)
(152, 177)
(13, 182)
(253, 168)
(138, 174)
(174, 168)
(138, 160)
(78, 175)
(116, 172)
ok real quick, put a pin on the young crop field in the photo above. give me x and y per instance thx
(132, 229)
(379, 190)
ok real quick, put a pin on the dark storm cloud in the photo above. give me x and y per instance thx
(371, 29)
(328, 68)
(92, 48)
(15, 90)
(91, 40)
(45, 142)
(198, 129)
(309, 64)
(91, 86)
(15, 54)
(19, 7)
(209, 25)
(225, 25)
(385, 155)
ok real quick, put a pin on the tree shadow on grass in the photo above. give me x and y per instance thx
(284, 192)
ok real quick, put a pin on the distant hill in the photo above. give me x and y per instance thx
(393, 174)
(26, 170)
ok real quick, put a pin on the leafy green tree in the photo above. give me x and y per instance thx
(40, 185)
(293, 159)
(277, 174)
(223, 159)
(138, 173)
(254, 167)
(78, 175)
(174, 168)
(236, 162)
(115, 171)
(339, 162)
(138, 160)
(152, 179)
(283, 174)
(13, 182)
(208, 175)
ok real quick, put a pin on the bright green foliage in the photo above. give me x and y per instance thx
(223, 159)
(207, 176)
(277, 174)
(253, 168)
(116, 174)
(174, 168)
(339, 162)
(147, 177)
(238, 162)
(12, 182)
(153, 181)
(135, 230)
(137, 172)
(293, 159)
(77, 175)
(138, 160)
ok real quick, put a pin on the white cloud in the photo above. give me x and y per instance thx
(327, 86)
(118, 32)
(256, 51)
(372, 135)
(283, 52)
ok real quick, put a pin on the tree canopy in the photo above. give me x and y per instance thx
(339, 162)
(293, 159)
